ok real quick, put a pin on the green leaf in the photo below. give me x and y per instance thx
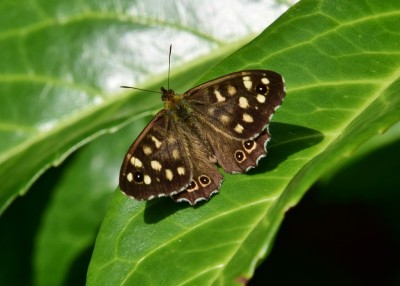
(61, 67)
(341, 64)
(379, 141)
(62, 64)
(74, 214)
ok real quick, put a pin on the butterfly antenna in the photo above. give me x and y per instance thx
(142, 89)
(169, 71)
(169, 63)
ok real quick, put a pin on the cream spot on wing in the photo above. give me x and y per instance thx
(156, 141)
(147, 179)
(181, 171)
(239, 128)
(211, 111)
(175, 154)
(129, 177)
(155, 165)
(147, 150)
(219, 96)
(243, 102)
(265, 80)
(260, 98)
(136, 162)
(247, 82)
(168, 174)
(171, 140)
(231, 90)
(224, 118)
(247, 118)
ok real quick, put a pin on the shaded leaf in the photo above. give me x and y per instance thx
(340, 61)
(62, 64)
(61, 88)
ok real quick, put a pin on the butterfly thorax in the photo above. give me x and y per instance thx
(175, 105)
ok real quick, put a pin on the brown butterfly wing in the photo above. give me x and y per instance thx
(206, 179)
(240, 104)
(172, 161)
(158, 162)
(238, 156)
(234, 112)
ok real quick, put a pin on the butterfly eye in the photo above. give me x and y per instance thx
(138, 177)
(261, 89)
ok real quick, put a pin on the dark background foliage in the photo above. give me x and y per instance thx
(60, 68)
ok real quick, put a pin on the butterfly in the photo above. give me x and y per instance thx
(223, 121)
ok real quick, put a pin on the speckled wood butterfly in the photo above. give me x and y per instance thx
(222, 121)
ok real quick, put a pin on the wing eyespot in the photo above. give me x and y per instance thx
(240, 156)
(262, 89)
(138, 177)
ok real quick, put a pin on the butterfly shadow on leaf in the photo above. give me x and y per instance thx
(161, 208)
(286, 140)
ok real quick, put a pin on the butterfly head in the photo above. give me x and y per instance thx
(172, 101)
(167, 94)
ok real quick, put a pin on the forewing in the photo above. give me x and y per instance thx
(240, 104)
(157, 164)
